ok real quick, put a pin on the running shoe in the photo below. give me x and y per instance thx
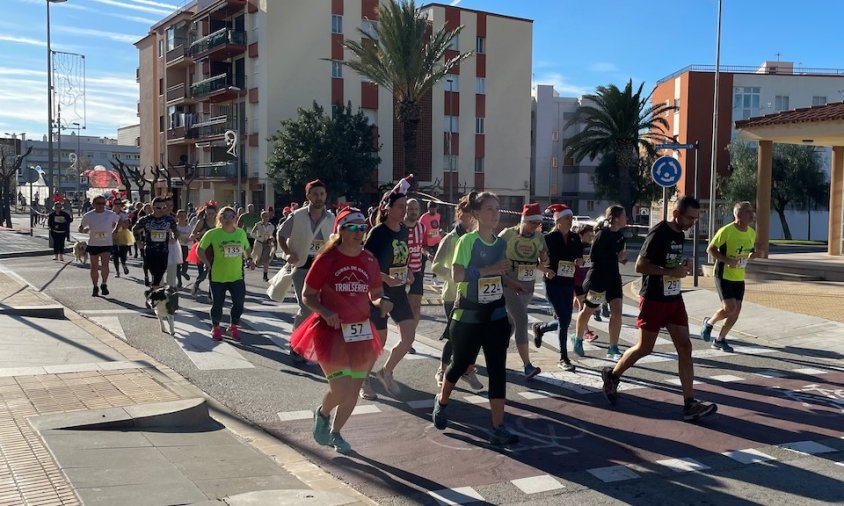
(610, 385)
(577, 346)
(186, 276)
(125, 270)
(695, 410)
(322, 428)
(597, 315)
(104, 289)
(217, 333)
(439, 377)
(503, 437)
(537, 334)
(722, 344)
(412, 350)
(566, 365)
(605, 310)
(266, 278)
(590, 336)
(438, 414)
(117, 274)
(146, 282)
(531, 371)
(390, 385)
(471, 377)
(340, 445)
(194, 289)
(366, 391)
(95, 292)
(613, 352)
(706, 330)
(234, 332)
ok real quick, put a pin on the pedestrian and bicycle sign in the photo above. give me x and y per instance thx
(675, 145)
(666, 171)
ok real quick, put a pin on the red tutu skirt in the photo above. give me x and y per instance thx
(318, 342)
(193, 258)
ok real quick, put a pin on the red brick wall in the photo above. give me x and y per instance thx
(368, 95)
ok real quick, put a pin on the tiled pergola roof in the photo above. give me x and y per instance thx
(828, 112)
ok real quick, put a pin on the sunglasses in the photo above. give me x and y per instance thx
(356, 227)
(228, 216)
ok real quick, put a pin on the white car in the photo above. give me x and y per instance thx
(579, 221)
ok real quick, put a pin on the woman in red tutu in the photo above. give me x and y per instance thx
(339, 335)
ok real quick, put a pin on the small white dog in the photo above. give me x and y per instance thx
(80, 251)
(164, 302)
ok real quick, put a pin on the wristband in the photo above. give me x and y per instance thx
(473, 273)
(384, 297)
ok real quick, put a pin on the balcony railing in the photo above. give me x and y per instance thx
(179, 51)
(219, 170)
(176, 133)
(177, 92)
(221, 37)
(211, 127)
(217, 83)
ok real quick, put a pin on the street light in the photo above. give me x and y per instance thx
(50, 99)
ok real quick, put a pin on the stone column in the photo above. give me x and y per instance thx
(764, 160)
(836, 200)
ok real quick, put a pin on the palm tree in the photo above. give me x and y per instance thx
(403, 55)
(622, 124)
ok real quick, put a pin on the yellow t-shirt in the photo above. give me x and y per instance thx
(734, 244)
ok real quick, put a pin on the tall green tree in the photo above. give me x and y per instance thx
(404, 55)
(339, 149)
(797, 180)
(642, 186)
(622, 124)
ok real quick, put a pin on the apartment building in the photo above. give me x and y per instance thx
(246, 65)
(555, 176)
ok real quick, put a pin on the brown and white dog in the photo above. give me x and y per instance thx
(80, 251)
(164, 302)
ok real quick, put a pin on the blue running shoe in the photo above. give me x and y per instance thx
(706, 330)
(322, 428)
(340, 445)
(503, 437)
(577, 346)
(613, 352)
(440, 420)
(531, 371)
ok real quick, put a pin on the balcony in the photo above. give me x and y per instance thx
(219, 170)
(218, 88)
(222, 44)
(177, 93)
(212, 127)
(220, 9)
(177, 55)
(175, 135)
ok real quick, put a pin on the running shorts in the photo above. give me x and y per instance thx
(729, 289)
(655, 314)
(98, 250)
(401, 308)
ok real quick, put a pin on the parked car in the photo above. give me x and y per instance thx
(579, 221)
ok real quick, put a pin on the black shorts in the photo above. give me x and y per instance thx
(98, 250)
(611, 289)
(401, 308)
(417, 287)
(729, 289)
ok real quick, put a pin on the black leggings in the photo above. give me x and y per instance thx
(58, 242)
(119, 254)
(468, 339)
(237, 290)
(448, 305)
(156, 263)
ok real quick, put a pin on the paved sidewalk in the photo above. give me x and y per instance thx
(87, 419)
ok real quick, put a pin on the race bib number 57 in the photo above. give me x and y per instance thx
(354, 332)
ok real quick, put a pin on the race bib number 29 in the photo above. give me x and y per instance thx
(670, 286)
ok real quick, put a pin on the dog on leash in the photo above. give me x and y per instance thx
(164, 301)
(80, 251)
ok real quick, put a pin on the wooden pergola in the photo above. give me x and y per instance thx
(821, 125)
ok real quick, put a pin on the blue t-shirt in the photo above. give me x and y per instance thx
(481, 294)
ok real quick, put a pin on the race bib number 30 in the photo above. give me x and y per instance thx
(670, 286)
(490, 289)
(526, 273)
(316, 245)
(158, 235)
(565, 269)
(232, 250)
(354, 332)
(399, 273)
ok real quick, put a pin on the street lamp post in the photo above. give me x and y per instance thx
(50, 100)
(450, 82)
(713, 171)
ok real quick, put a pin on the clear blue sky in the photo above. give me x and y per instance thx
(578, 44)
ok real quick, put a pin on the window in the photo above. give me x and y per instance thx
(479, 126)
(161, 86)
(745, 102)
(818, 101)
(367, 26)
(161, 124)
(555, 136)
(479, 164)
(160, 48)
(336, 69)
(171, 38)
(554, 162)
(336, 23)
(454, 45)
(450, 124)
(450, 163)
(480, 45)
(676, 105)
(480, 86)
(452, 83)
(590, 205)
(781, 103)
(371, 116)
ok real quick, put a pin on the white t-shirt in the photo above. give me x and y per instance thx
(100, 227)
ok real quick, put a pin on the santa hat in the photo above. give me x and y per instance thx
(347, 215)
(531, 212)
(286, 209)
(560, 210)
(398, 191)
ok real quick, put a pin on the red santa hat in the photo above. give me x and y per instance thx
(531, 212)
(560, 210)
(398, 191)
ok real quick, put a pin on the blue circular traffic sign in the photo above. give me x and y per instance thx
(666, 171)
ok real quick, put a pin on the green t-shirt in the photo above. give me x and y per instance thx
(248, 220)
(472, 251)
(229, 248)
(524, 252)
(733, 243)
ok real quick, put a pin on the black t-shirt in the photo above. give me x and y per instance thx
(604, 254)
(59, 223)
(567, 251)
(662, 247)
(389, 247)
(156, 232)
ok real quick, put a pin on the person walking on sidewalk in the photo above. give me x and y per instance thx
(123, 240)
(58, 223)
(663, 268)
(229, 249)
(206, 219)
(388, 242)
(101, 225)
(339, 334)
(566, 254)
(300, 238)
(158, 230)
(479, 320)
(441, 266)
(733, 245)
(527, 251)
(603, 281)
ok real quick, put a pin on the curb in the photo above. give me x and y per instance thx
(32, 253)
(49, 311)
(179, 413)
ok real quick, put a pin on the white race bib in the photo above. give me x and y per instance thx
(565, 269)
(360, 331)
(399, 273)
(526, 272)
(490, 289)
(316, 245)
(587, 262)
(741, 262)
(158, 235)
(58, 219)
(671, 286)
(232, 250)
(594, 297)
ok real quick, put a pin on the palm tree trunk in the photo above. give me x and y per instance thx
(409, 117)
(624, 194)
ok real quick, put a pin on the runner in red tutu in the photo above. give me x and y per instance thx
(339, 334)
